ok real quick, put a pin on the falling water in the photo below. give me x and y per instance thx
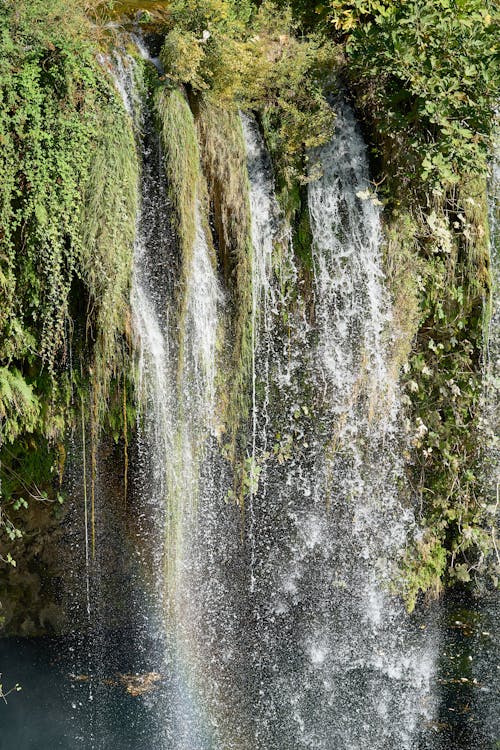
(353, 320)
(176, 327)
(363, 464)
(339, 663)
(277, 627)
(152, 279)
(203, 300)
(264, 213)
(352, 306)
(291, 639)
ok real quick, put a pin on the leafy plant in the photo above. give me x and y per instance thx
(427, 72)
(251, 58)
(68, 201)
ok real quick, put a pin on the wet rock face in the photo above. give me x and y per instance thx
(31, 593)
(46, 592)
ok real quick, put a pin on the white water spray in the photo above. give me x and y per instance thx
(340, 663)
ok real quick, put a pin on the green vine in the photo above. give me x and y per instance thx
(68, 202)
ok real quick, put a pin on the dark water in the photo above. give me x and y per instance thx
(74, 697)
(61, 705)
(469, 673)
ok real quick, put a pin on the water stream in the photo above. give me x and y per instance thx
(329, 658)
(340, 664)
(176, 328)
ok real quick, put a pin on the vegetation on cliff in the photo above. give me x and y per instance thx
(423, 76)
(68, 205)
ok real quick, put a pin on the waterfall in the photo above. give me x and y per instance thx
(229, 574)
(292, 640)
(352, 307)
(204, 298)
(363, 465)
(153, 281)
(338, 661)
(264, 217)
(363, 457)
(264, 212)
(175, 339)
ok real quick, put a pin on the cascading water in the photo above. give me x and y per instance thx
(176, 344)
(264, 213)
(373, 641)
(271, 622)
(154, 274)
(339, 662)
(291, 639)
(352, 307)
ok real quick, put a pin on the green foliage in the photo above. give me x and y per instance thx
(19, 406)
(182, 162)
(424, 77)
(182, 55)
(214, 16)
(439, 308)
(427, 72)
(224, 161)
(424, 569)
(58, 128)
(253, 60)
(68, 199)
(405, 274)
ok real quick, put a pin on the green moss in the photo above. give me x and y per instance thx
(68, 205)
(107, 246)
(470, 217)
(224, 161)
(438, 268)
(303, 240)
(424, 569)
(405, 274)
(182, 160)
(186, 185)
